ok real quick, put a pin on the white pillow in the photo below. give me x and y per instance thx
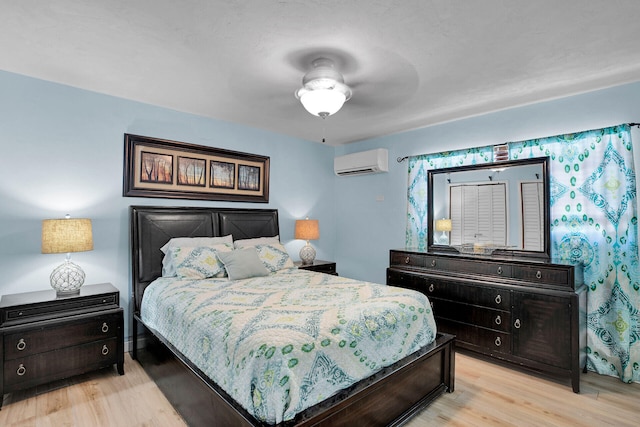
(168, 269)
(247, 243)
(274, 256)
(200, 262)
(196, 241)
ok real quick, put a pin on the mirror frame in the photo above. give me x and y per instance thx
(543, 161)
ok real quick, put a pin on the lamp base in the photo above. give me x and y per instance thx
(67, 279)
(307, 254)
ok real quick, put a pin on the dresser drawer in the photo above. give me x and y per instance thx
(475, 338)
(58, 364)
(543, 275)
(28, 341)
(489, 297)
(497, 320)
(407, 280)
(457, 265)
(406, 259)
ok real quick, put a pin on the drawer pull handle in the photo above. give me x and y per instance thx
(431, 287)
(499, 269)
(498, 299)
(517, 323)
(21, 345)
(407, 260)
(538, 275)
(105, 327)
(498, 342)
(433, 263)
(498, 320)
(21, 370)
(105, 350)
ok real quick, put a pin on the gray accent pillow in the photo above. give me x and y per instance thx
(243, 264)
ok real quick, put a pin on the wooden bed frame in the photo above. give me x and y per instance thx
(390, 397)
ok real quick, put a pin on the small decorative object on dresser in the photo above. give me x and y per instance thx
(527, 312)
(65, 236)
(326, 267)
(307, 229)
(45, 338)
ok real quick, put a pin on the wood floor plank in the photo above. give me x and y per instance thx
(486, 395)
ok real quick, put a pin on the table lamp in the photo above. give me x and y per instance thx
(307, 229)
(443, 225)
(65, 236)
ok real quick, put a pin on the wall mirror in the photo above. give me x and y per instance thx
(497, 208)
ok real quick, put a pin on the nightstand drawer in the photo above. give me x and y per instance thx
(62, 363)
(42, 305)
(319, 266)
(69, 333)
(61, 306)
(327, 269)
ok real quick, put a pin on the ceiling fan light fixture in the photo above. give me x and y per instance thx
(322, 102)
(323, 92)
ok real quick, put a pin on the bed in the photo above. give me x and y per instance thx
(388, 396)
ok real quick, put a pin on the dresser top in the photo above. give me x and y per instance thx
(492, 257)
(48, 295)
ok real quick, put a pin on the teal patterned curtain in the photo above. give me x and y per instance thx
(593, 221)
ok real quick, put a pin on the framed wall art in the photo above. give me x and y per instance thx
(178, 170)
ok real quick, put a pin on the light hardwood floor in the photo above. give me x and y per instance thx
(486, 395)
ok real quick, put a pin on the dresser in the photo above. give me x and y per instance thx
(526, 312)
(47, 338)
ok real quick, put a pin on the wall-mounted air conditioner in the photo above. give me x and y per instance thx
(364, 162)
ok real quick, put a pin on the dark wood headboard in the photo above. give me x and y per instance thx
(152, 226)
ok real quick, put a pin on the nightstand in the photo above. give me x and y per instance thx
(320, 266)
(47, 338)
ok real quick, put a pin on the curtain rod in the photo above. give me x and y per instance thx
(402, 159)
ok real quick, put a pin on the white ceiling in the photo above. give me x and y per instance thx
(411, 63)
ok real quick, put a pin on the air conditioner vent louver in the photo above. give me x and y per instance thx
(362, 163)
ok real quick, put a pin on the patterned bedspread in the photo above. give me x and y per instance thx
(282, 343)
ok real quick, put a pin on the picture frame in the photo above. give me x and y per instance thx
(178, 170)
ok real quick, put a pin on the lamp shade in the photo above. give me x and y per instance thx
(66, 235)
(443, 225)
(307, 229)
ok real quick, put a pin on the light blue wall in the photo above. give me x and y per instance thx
(62, 152)
(367, 227)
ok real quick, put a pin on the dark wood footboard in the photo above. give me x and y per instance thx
(390, 397)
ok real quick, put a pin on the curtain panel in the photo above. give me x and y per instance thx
(593, 222)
